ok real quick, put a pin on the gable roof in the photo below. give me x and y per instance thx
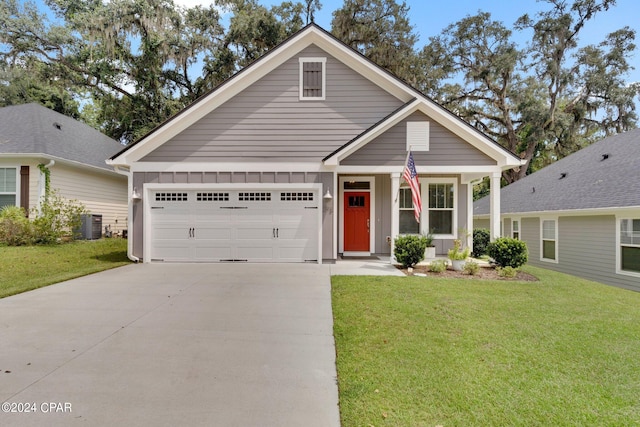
(312, 34)
(31, 129)
(603, 175)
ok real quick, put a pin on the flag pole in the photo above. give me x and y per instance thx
(404, 165)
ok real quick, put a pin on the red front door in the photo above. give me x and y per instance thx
(356, 222)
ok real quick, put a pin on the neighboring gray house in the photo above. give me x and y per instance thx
(34, 138)
(299, 158)
(581, 214)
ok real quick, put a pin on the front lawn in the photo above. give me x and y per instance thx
(25, 268)
(415, 351)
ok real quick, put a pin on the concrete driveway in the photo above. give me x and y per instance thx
(172, 344)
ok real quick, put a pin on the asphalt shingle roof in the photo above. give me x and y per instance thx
(32, 129)
(591, 181)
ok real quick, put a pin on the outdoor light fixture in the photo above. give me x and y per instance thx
(135, 195)
(327, 195)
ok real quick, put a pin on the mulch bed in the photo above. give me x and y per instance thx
(484, 273)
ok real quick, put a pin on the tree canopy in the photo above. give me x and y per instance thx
(125, 66)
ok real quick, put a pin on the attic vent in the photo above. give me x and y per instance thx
(533, 189)
(563, 175)
(604, 157)
(57, 125)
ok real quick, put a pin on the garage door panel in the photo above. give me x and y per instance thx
(259, 226)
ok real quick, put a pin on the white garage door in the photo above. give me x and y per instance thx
(234, 225)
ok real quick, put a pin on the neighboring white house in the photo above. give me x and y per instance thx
(299, 158)
(581, 214)
(34, 138)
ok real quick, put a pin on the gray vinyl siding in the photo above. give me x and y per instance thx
(325, 178)
(586, 248)
(481, 223)
(445, 148)
(268, 122)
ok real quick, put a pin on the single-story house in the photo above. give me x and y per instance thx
(299, 158)
(36, 141)
(581, 214)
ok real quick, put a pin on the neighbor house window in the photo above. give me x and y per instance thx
(440, 207)
(312, 78)
(8, 187)
(630, 245)
(515, 229)
(549, 240)
(408, 223)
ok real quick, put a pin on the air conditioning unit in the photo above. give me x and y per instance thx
(90, 227)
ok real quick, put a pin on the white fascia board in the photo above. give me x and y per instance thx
(228, 167)
(422, 170)
(616, 211)
(483, 143)
(41, 157)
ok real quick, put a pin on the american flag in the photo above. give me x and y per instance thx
(411, 176)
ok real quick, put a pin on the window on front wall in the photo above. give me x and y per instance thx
(630, 245)
(8, 186)
(549, 239)
(408, 223)
(312, 78)
(441, 207)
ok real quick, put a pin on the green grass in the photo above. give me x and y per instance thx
(29, 267)
(415, 351)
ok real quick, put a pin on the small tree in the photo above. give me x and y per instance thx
(409, 250)
(481, 239)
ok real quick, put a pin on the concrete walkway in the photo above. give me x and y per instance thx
(170, 345)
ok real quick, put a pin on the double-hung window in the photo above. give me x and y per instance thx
(313, 78)
(515, 228)
(441, 208)
(630, 245)
(549, 240)
(8, 187)
(408, 223)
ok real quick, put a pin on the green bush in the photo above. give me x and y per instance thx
(481, 239)
(409, 250)
(471, 268)
(457, 253)
(57, 218)
(438, 266)
(15, 227)
(508, 252)
(508, 272)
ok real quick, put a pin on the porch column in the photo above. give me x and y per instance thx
(395, 210)
(494, 209)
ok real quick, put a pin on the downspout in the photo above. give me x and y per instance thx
(127, 173)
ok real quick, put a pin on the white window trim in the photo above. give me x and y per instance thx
(301, 61)
(18, 179)
(619, 269)
(519, 221)
(542, 220)
(424, 216)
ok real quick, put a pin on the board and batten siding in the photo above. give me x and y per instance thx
(268, 122)
(101, 193)
(445, 148)
(275, 178)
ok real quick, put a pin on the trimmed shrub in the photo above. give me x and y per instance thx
(438, 266)
(15, 227)
(508, 252)
(471, 268)
(481, 239)
(409, 250)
